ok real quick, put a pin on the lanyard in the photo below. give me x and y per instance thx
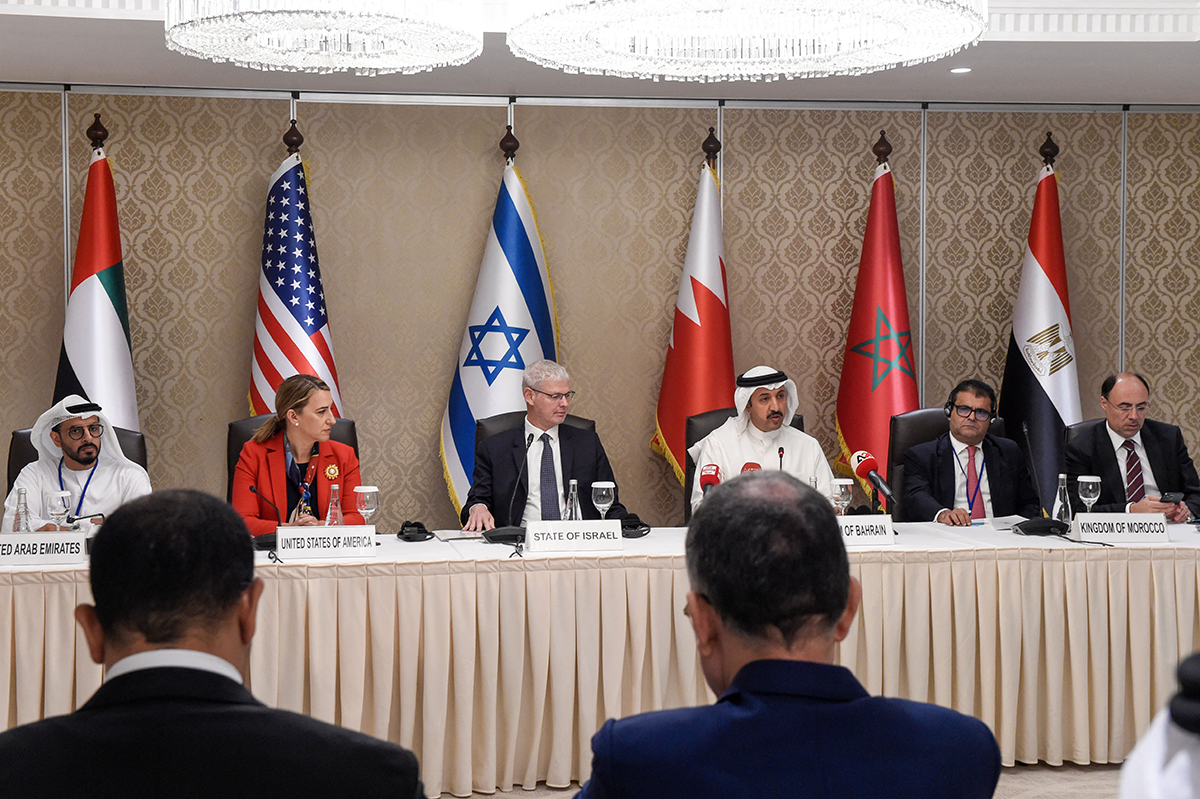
(304, 506)
(978, 478)
(83, 493)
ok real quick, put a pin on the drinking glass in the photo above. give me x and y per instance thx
(843, 490)
(366, 501)
(603, 496)
(58, 505)
(1089, 489)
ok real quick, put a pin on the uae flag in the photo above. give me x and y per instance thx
(1041, 388)
(879, 367)
(96, 360)
(698, 375)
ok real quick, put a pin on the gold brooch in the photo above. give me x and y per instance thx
(331, 471)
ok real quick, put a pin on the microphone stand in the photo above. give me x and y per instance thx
(511, 534)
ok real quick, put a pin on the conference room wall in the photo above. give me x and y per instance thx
(190, 176)
(31, 253)
(982, 173)
(1162, 317)
(614, 188)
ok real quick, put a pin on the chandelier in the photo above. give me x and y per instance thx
(727, 40)
(369, 37)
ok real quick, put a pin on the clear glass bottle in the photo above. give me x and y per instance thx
(574, 512)
(21, 517)
(333, 516)
(1062, 502)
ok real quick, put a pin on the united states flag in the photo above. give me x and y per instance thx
(291, 331)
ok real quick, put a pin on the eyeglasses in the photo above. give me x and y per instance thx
(568, 396)
(1126, 408)
(966, 412)
(76, 433)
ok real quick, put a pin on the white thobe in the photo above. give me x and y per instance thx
(114, 483)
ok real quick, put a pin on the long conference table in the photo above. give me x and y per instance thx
(496, 670)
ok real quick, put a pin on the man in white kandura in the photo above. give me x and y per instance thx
(760, 437)
(77, 452)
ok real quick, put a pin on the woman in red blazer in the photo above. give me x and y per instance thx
(291, 463)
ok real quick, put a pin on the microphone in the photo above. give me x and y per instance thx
(751, 466)
(864, 465)
(511, 533)
(781, 459)
(1037, 484)
(266, 541)
(278, 518)
(710, 476)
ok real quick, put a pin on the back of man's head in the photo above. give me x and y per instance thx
(169, 562)
(766, 552)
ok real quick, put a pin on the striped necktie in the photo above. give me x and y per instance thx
(1135, 490)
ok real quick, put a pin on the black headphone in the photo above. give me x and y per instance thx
(977, 388)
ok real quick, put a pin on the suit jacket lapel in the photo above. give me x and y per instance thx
(566, 454)
(1106, 457)
(946, 471)
(993, 463)
(277, 475)
(1163, 467)
(519, 453)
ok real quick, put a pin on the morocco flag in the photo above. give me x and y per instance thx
(1041, 388)
(698, 375)
(879, 368)
(96, 360)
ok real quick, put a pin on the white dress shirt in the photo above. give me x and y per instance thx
(174, 658)
(963, 458)
(1148, 481)
(533, 471)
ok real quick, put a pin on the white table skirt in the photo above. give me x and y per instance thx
(496, 671)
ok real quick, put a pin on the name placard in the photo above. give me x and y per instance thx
(355, 542)
(1120, 528)
(22, 549)
(867, 530)
(585, 536)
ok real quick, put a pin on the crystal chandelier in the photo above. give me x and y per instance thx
(719, 40)
(370, 37)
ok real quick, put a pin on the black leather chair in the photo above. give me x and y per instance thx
(490, 426)
(1074, 431)
(21, 450)
(912, 428)
(241, 431)
(697, 427)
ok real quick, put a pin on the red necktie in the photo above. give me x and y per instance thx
(1135, 490)
(973, 497)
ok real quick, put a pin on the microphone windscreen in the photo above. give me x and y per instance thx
(710, 476)
(751, 466)
(863, 463)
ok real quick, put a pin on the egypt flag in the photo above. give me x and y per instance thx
(1041, 388)
(96, 360)
(291, 327)
(511, 324)
(698, 375)
(879, 367)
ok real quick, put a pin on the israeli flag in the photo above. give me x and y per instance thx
(512, 323)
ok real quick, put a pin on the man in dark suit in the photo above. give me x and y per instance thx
(771, 596)
(554, 454)
(967, 474)
(172, 577)
(1138, 460)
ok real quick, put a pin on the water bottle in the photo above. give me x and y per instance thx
(21, 517)
(1062, 502)
(333, 516)
(574, 512)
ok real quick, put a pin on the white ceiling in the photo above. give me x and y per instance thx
(1122, 51)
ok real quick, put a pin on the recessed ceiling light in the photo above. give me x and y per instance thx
(960, 70)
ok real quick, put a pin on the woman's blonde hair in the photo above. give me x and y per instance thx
(293, 395)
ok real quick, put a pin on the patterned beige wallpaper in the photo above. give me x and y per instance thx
(402, 197)
(798, 187)
(191, 178)
(614, 190)
(31, 254)
(1162, 325)
(981, 181)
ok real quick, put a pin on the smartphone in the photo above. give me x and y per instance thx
(1172, 497)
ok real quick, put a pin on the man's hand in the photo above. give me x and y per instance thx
(955, 517)
(1155, 505)
(1179, 514)
(48, 527)
(479, 519)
